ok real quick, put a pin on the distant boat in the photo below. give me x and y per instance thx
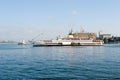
(22, 42)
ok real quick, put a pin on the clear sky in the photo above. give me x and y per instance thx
(25, 19)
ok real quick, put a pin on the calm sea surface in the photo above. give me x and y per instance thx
(59, 63)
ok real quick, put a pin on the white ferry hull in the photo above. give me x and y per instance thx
(68, 43)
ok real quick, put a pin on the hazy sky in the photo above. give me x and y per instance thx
(25, 19)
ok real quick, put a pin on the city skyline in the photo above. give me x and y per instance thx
(25, 19)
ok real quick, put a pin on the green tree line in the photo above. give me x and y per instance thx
(112, 40)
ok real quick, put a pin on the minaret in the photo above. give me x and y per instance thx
(71, 32)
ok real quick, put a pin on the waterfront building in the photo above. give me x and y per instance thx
(103, 36)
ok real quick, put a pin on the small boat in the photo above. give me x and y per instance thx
(22, 42)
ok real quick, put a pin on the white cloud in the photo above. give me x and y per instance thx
(51, 17)
(75, 12)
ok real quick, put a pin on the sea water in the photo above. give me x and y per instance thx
(25, 62)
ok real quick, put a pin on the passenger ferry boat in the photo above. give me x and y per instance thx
(73, 39)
